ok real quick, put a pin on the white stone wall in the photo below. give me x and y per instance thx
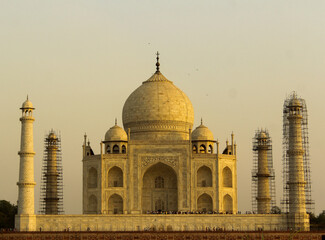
(160, 222)
(141, 156)
(227, 161)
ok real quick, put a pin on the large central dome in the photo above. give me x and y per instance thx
(158, 110)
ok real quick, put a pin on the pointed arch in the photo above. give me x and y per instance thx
(108, 149)
(210, 149)
(116, 149)
(92, 178)
(204, 203)
(123, 149)
(203, 148)
(115, 177)
(227, 177)
(115, 204)
(204, 177)
(159, 182)
(227, 204)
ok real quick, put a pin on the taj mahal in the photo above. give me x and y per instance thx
(160, 172)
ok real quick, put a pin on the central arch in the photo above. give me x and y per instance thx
(159, 189)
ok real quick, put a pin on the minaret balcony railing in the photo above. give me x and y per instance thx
(297, 183)
(27, 118)
(263, 175)
(26, 153)
(26, 183)
(295, 152)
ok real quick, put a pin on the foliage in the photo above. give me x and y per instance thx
(317, 223)
(7, 214)
(275, 210)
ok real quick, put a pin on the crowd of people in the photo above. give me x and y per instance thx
(196, 212)
(187, 212)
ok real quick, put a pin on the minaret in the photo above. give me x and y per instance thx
(26, 182)
(298, 219)
(52, 176)
(263, 174)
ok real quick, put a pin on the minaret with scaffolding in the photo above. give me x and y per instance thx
(263, 177)
(52, 178)
(296, 170)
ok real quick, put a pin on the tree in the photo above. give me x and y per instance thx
(317, 223)
(7, 214)
(275, 210)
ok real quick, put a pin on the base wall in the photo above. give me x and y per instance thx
(182, 222)
(25, 222)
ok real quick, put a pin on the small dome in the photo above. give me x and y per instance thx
(262, 134)
(27, 104)
(202, 133)
(52, 136)
(116, 133)
(294, 102)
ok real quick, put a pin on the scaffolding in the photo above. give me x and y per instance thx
(255, 175)
(306, 160)
(51, 197)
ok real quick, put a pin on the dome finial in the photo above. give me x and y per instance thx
(201, 121)
(27, 96)
(115, 121)
(157, 63)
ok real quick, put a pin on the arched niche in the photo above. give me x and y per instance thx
(92, 178)
(227, 177)
(92, 204)
(153, 190)
(204, 177)
(194, 148)
(115, 177)
(227, 204)
(204, 203)
(123, 149)
(203, 148)
(108, 149)
(115, 204)
(116, 149)
(210, 149)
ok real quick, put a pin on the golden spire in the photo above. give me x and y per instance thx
(157, 63)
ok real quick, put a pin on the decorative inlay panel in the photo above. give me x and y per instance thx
(147, 160)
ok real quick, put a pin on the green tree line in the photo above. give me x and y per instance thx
(7, 214)
(317, 223)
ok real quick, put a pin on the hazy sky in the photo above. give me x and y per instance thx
(236, 60)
